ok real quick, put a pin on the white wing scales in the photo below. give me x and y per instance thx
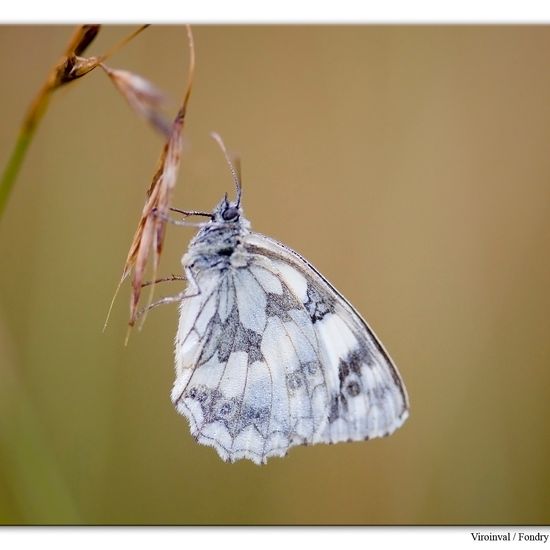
(367, 396)
(269, 356)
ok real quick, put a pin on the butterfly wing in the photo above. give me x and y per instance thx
(269, 356)
(249, 375)
(367, 397)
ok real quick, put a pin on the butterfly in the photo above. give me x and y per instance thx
(269, 355)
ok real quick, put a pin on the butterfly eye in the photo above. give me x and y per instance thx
(231, 214)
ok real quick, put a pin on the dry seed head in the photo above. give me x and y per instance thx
(150, 233)
(142, 96)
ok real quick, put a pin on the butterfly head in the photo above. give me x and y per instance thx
(227, 212)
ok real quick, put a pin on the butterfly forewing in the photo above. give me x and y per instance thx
(367, 397)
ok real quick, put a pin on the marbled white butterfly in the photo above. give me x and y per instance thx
(269, 354)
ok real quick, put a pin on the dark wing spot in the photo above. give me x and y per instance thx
(278, 305)
(310, 368)
(358, 357)
(318, 304)
(250, 342)
(353, 362)
(353, 389)
(227, 410)
(338, 406)
(202, 397)
(213, 339)
(257, 417)
(228, 335)
(294, 381)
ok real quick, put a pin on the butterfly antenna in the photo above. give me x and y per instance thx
(235, 172)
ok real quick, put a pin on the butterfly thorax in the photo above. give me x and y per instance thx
(218, 244)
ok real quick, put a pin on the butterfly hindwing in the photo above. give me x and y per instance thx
(249, 375)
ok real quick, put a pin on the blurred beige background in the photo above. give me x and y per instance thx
(409, 164)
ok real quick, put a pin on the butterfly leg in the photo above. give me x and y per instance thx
(166, 300)
(193, 283)
(177, 297)
(164, 280)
